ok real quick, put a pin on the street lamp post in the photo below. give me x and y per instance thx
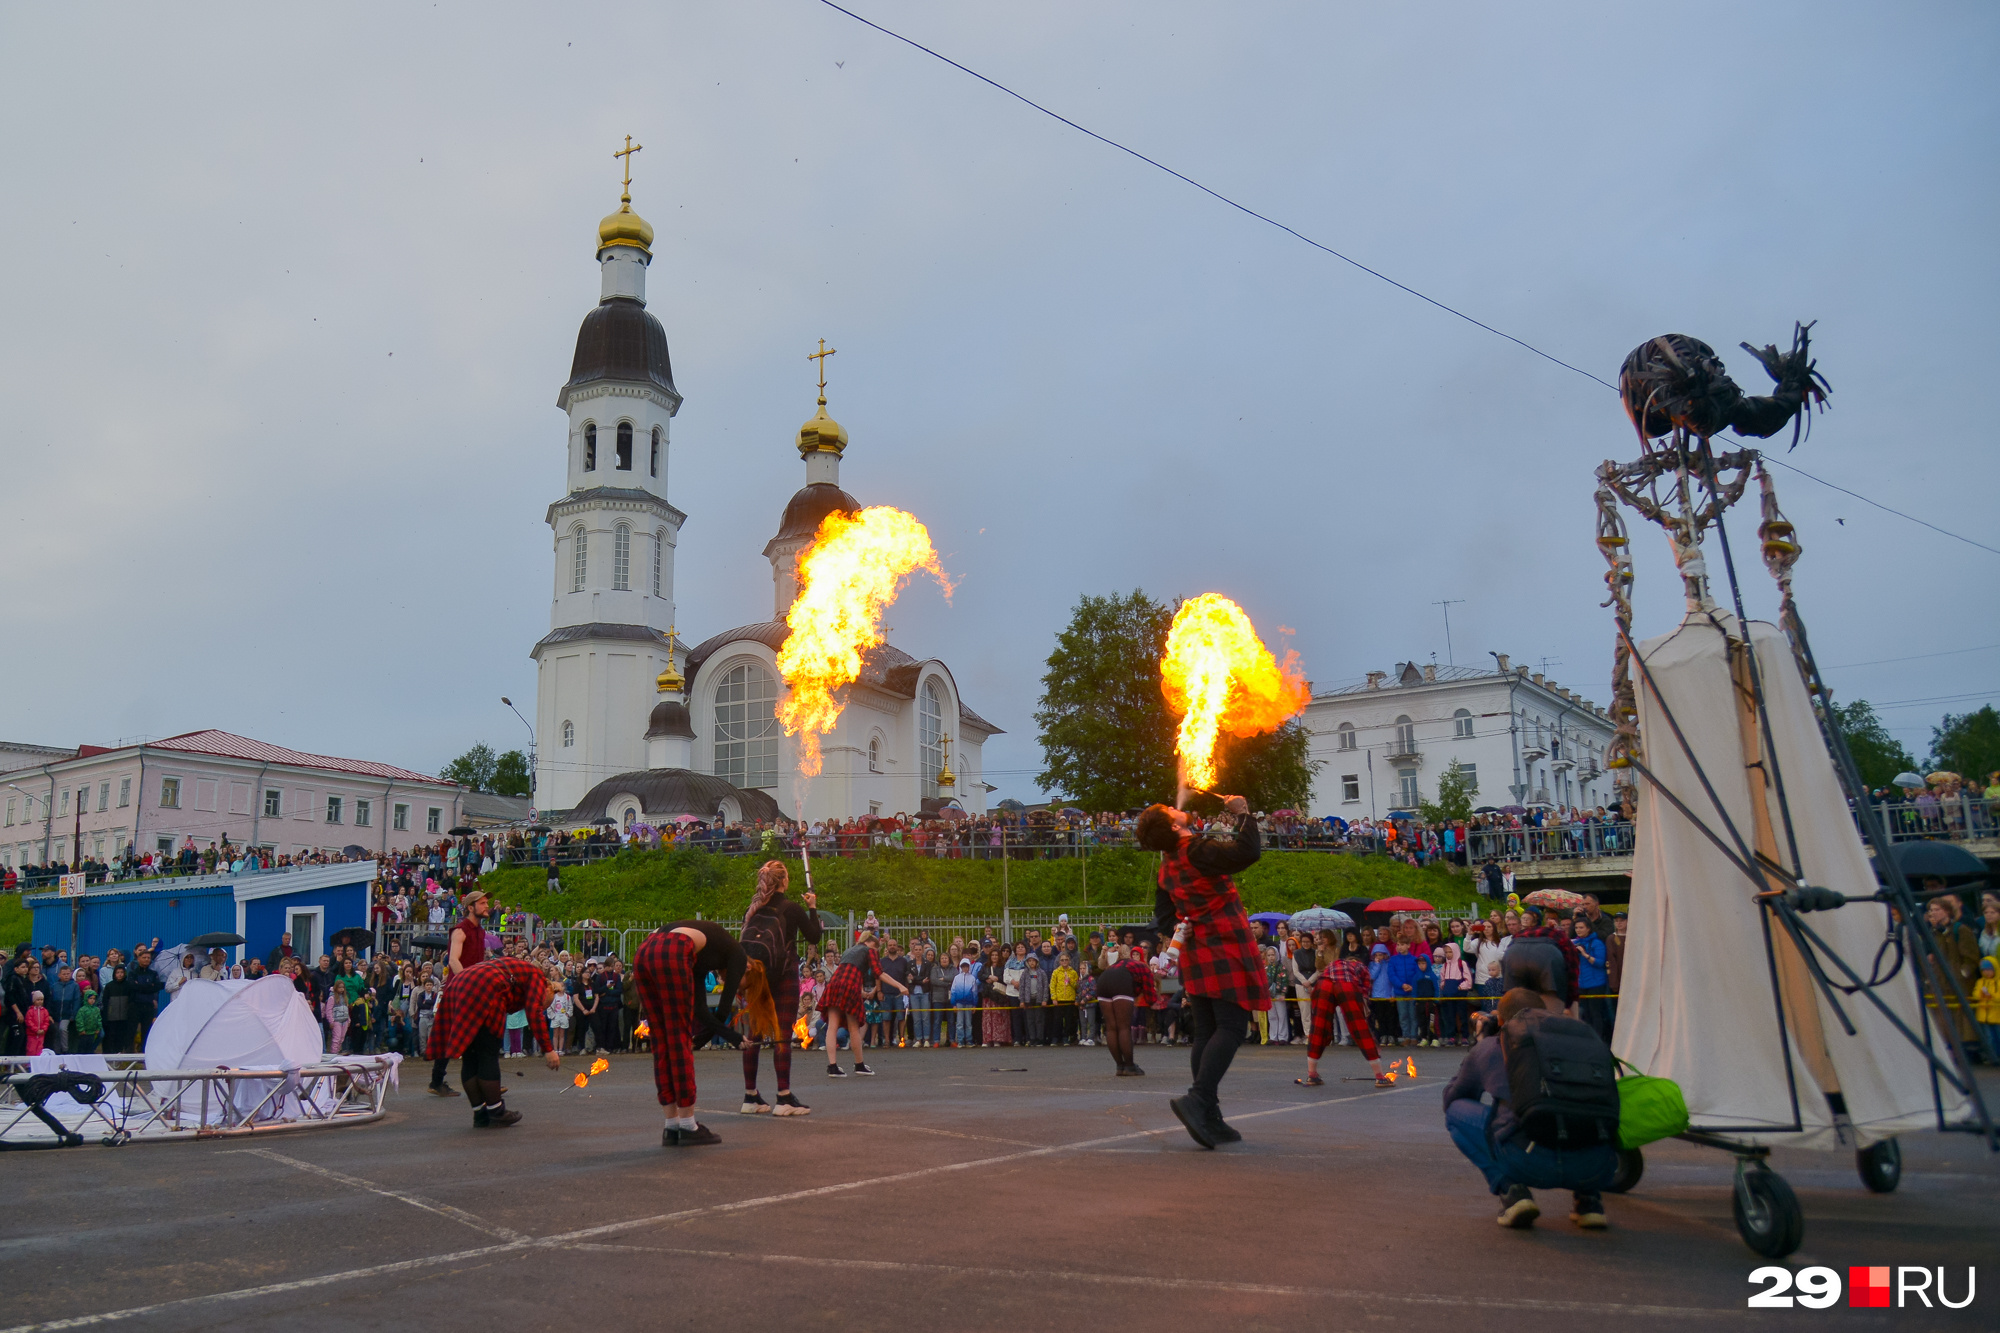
(531, 743)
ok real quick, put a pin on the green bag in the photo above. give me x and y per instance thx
(1649, 1109)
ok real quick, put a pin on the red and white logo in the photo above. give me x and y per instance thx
(1868, 1288)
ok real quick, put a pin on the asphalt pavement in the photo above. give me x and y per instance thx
(1024, 1189)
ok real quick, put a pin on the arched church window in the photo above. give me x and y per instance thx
(659, 557)
(621, 557)
(930, 735)
(590, 446)
(1346, 733)
(624, 446)
(874, 754)
(579, 558)
(746, 726)
(569, 733)
(656, 451)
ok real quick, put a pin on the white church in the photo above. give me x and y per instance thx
(633, 727)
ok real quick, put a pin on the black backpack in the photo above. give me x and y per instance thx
(763, 939)
(1563, 1082)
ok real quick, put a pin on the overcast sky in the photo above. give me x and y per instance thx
(286, 298)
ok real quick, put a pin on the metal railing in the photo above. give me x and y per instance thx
(162, 1105)
(1961, 818)
(1556, 842)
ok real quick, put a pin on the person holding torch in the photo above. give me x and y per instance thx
(471, 1016)
(1222, 974)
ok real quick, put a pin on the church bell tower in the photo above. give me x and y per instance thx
(821, 441)
(614, 531)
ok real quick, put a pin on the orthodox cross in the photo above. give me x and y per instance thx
(820, 356)
(626, 153)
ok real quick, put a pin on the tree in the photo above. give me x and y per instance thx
(510, 775)
(1878, 755)
(473, 769)
(1272, 771)
(1456, 789)
(1968, 744)
(1107, 738)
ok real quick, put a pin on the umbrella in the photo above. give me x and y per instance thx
(1009, 803)
(1908, 780)
(1402, 814)
(1400, 905)
(1485, 809)
(1354, 907)
(1322, 918)
(353, 937)
(430, 941)
(1946, 775)
(354, 849)
(827, 918)
(1270, 918)
(215, 939)
(606, 820)
(463, 831)
(1284, 814)
(1072, 810)
(1513, 810)
(1936, 860)
(1562, 899)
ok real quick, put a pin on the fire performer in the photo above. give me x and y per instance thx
(1124, 989)
(668, 971)
(1341, 985)
(1221, 973)
(771, 932)
(471, 1017)
(860, 970)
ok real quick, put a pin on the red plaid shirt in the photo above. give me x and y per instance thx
(1348, 980)
(479, 1000)
(1219, 959)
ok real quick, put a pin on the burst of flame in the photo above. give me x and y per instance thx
(599, 1066)
(581, 1080)
(1218, 675)
(643, 1031)
(1409, 1064)
(1390, 1073)
(852, 571)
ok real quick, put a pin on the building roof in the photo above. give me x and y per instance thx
(620, 340)
(670, 718)
(665, 792)
(808, 508)
(620, 494)
(599, 629)
(883, 667)
(242, 747)
(485, 807)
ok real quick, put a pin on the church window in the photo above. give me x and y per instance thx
(1346, 732)
(874, 755)
(579, 558)
(569, 738)
(659, 557)
(1461, 723)
(621, 558)
(656, 451)
(746, 727)
(624, 446)
(589, 446)
(930, 735)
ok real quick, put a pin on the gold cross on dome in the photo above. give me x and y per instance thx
(626, 153)
(820, 356)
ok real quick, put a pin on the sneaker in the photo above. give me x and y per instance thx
(501, 1117)
(1194, 1120)
(754, 1104)
(1221, 1131)
(790, 1105)
(835, 1071)
(443, 1090)
(700, 1136)
(1384, 1081)
(1517, 1208)
(1588, 1212)
(863, 1069)
(1135, 1071)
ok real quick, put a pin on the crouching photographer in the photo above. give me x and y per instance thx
(1534, 1106)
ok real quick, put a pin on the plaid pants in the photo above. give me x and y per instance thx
(664, 973)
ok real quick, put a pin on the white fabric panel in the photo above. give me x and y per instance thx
(262, 1024)
(1698, 1003)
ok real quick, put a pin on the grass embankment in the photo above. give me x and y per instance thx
(686, 883)
(17, 923)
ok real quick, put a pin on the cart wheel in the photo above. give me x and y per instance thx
(1772, 1223)
(1881, 1166)
(1631, 1166)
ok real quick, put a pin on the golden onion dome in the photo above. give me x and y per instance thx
(822, 434)
(625, 228)
(670, 680)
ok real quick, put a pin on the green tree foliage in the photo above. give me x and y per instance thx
(1968, 744)
(1455, 792)
(1273, 771)
(1107, 738)
(1878, 755)
(510, 775)
(473, 769)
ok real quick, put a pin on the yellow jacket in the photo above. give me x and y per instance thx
(1986, 1000)
(1062, 985)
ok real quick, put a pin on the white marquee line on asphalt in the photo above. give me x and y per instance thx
(1524, 1304)
(414, 1200)
(614, 1228)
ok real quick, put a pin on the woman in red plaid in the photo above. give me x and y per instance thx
(1222, 974)
(842, 1003)
(471, 1016)
(668, 971)
(1343, 985)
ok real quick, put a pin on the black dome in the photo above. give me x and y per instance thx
(670, 718)
(811, 506)
(620, 341)
(665, 792)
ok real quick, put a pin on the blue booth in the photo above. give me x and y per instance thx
(312, 902)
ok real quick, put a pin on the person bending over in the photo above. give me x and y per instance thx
(668, 971)
(472, 1015)
(1342, 985)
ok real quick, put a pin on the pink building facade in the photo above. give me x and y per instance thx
(211, 785)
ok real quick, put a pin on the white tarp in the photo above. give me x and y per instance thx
(1698, 1005)
(262, 1024)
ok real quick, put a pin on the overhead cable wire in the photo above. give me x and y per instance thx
(1790, 467)
(1218, 195)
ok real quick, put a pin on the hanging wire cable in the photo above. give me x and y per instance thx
(1879, 505)
(1217, 194)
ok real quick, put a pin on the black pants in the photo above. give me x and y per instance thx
(482, 1059)
(1218, 1027)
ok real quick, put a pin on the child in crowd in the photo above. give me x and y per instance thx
(1986, 1007)
(1086, 1004)
(1454, 982)
(1062, 999)
(874, 1020)
(38, 1023)
(517, 1033)
(87, 1028)
(1382, 995)
(1035, 1001)
(964, 1003)
(1426, 996)
(1403, 986)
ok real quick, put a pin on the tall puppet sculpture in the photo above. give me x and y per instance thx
(1768, 974)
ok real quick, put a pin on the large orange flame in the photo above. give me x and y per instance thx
(852, 571)
(1219, 676)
